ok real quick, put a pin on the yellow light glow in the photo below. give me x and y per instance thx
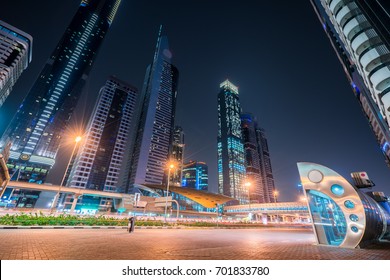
(77, 139)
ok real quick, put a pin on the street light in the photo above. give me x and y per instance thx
(76, 140)
(170, 167)
(248, 185)
(275, 198)
(275, 195)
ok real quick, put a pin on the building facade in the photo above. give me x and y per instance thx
(231, 155)
(254, 180)
(156, 119)
(104, 152)
(195, 176)
(259, 178)
(358, 31)
(177, 155)
(270, 194)
(37, 128)
(15, 56)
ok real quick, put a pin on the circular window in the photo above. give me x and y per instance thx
(337, 190)
(354, 229)
(315, 176)
(354, 218)
(349, 204)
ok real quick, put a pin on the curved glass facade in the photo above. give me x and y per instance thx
(329, 221)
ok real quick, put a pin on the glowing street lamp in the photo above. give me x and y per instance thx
(275, 200)
(170, 167)
(248, 185)
(76, 140)
(275, 195)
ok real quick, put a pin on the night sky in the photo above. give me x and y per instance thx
(275, 52)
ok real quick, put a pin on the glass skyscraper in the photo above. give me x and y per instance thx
(265, 166)
(254, 176)
(156, 119)
(231, 155)
(37, 128)
(177, 155)
(104, 153)
(359, 33)
(15, 55)
(257, 161)
(196, 176)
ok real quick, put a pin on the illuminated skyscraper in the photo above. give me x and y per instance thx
(265, 166)
(254, 175)
(231, 156)
(177, 155)
(105, 150)
(15, 55)
(195, 176)
(257, 161)
(156, 122)
(359, 33)
(37, 128)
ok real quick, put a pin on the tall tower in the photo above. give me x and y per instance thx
(104, 153)
(15, 55)
(231, 157)
(177, 155)
(265, 166)
(156, 118)
(37, 128)
(358, 31)
(254, 174)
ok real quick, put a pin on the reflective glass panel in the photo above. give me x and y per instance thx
(329, 221)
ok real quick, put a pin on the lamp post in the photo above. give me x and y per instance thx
(57, 196)
(171, 166)
(248, 185)
(275, 200)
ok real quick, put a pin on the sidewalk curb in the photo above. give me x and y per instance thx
(85, 227)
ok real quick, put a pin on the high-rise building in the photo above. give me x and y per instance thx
(359, 33)
(195, 176)
(105, 150)
(231, 154)
(15, 55)
(265, 166)
(254, 177)
(177, 155)
(257, 161)
(37, 128)
(156, 119)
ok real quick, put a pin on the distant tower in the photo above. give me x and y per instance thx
(37, 128)
(265, 166)
(254, 174)
(156, 122)
(359, 33)
(15, 55)
(195, 176)
(103, 154)
(177, 155)
(231, 157)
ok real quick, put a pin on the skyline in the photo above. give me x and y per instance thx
(200, 79)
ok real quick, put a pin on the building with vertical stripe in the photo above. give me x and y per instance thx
(36, 130)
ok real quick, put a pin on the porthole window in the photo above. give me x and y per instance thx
(337, 190)
(349, 204)
(354, 229)
(354, 218)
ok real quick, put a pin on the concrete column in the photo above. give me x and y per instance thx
(76, 197)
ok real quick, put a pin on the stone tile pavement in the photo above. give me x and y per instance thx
(169, 244)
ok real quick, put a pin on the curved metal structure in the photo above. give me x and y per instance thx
(341, 214)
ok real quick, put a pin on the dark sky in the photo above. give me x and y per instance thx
(275, 52)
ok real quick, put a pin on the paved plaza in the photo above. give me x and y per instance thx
(168, 244)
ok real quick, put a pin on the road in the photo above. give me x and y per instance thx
(168, 244)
